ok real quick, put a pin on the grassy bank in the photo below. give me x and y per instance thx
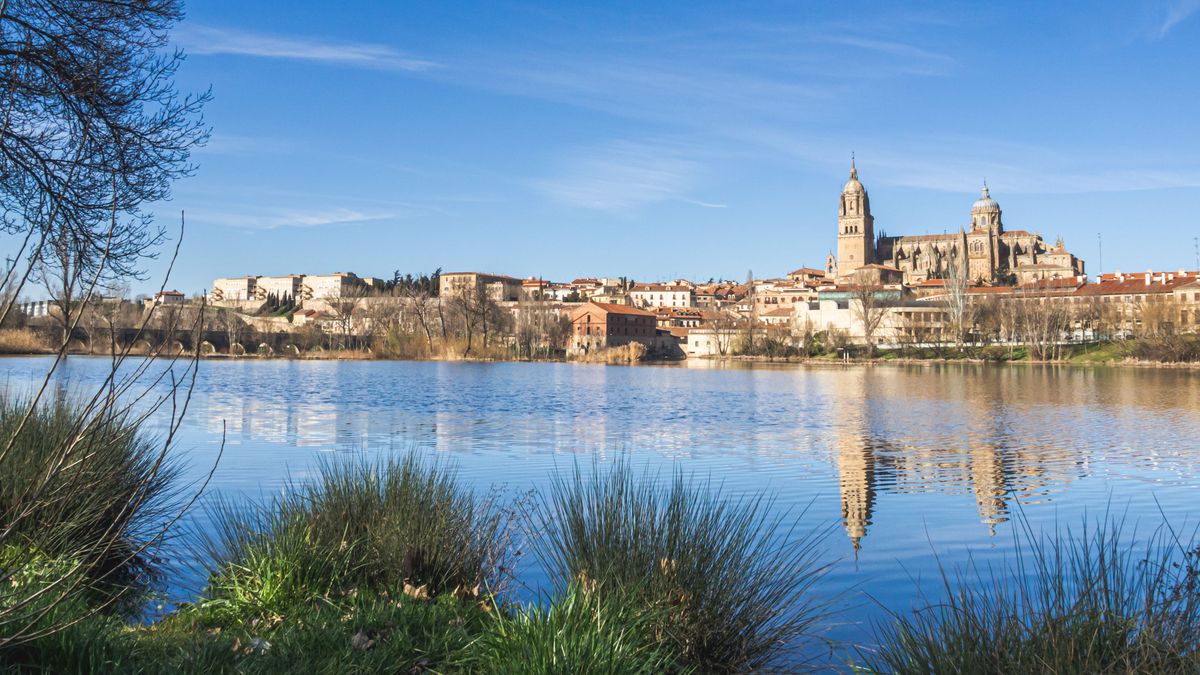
(398, 567)
(1178, 351)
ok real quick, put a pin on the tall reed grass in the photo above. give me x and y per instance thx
(1070, 602)
(22, 341)
(403, 523)
(732, 583)
(84, 491)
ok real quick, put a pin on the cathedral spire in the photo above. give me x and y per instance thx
(853, 169)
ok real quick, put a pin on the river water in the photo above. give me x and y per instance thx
(907, 465)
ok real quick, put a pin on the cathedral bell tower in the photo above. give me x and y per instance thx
(856, 227)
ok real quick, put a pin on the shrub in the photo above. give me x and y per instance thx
(1081, 605)
(82, 484)
(1171, 349)
(380, 526)
(732, 581)
(995, 353)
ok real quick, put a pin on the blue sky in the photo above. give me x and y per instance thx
(688, 139)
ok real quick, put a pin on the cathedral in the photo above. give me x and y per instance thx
(982, 251)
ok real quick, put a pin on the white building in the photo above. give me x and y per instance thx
(288, 286)
(169, 298)
(234, 289)
(662, 295)
(38, 308)
(902, 322)
(331, 286)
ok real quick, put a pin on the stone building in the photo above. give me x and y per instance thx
(982, 250)
(596, 325)
(499, 288)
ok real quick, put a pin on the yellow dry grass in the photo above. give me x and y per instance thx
(21, 341)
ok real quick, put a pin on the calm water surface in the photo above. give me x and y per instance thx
(901, 461)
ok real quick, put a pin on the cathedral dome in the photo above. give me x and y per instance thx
(985, 203)
(852, 186)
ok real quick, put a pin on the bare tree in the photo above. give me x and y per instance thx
(1041, 323)
(808, 337)
(463, 304)
(425, 312)
(1156, 316)
(92, 129)
(232, 325)
(869, 308)
(961, 311)
(558, 331)
(347, 311)
(724, 328)
(118, 315)
(987, 312)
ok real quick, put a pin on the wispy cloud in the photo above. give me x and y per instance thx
(1177, 12)
(271, 218)
(725, 76)
(625, 176)
(203, 39)
(957, 163)
(706, 205)
(902, 57)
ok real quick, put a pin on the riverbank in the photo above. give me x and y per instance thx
(19, 342)
(617, 359)
(930, 361)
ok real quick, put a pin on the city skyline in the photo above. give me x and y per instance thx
(678, 142)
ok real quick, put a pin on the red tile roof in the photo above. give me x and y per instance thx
(620, 309)
(1134, 285)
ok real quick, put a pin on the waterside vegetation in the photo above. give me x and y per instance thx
(398, 566)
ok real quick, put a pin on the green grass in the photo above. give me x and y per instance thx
(731, 583)
(1067, 604)
(587, 629)
(367, 633)
(80, 485)
(358, 527)
(1097, 352)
